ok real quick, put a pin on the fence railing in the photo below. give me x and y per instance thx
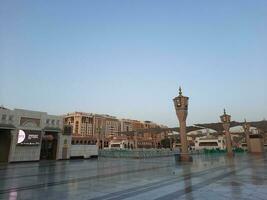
(136, 153)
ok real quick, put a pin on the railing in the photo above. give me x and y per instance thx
(135, 153)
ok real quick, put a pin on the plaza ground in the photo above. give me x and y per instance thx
(208, 177)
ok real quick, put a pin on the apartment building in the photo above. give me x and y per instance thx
(126, 125)
(100, 129)
(137, 125)
(82, 123)
(112, 126)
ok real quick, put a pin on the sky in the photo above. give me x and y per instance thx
(128, 57)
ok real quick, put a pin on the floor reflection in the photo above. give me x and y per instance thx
(187, 182)
(243, 176)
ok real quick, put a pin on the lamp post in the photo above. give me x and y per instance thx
(135, 140)
(226, 119)
(98, 137)
(103, 136)
(246, 128)
(181, 108)
(170, 139)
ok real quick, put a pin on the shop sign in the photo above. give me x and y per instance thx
(28, 137)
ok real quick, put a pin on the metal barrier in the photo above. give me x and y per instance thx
(136, 153)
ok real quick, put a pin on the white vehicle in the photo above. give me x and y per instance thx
(121, 143)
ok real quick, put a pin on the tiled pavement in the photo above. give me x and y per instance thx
(208, 177)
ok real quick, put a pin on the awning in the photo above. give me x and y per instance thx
(218, 126)
(7, 126)
(52, 129)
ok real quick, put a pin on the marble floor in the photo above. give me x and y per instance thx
(207, 177)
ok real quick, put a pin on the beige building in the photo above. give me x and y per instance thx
(137, 125)
(106, 125)
(112, 126)
(149, 125)
(100, 129)
(82, 123)
(27, 135)
(126, 125)
(92, 127)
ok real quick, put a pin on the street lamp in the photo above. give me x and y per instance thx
(99, 137)
(226, 119)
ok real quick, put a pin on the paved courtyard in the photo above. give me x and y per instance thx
(208, 177)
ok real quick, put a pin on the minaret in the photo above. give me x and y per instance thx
(181, 108)
(226, 119)
(246, 128)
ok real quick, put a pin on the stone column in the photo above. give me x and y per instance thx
(170, 141)
(135, 140)
(80, 126)
(13, 143)
(103, 138)
(226, 119)
(181, 107)
(246, 128)
(98, 137)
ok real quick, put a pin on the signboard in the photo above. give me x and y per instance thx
(28, 137)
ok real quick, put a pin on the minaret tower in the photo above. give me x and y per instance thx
(246, 128)
(226, 119)
(181, 108)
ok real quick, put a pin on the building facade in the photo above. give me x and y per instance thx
(32, 135)
(92, 128)
(126, 125)
(82, 123)
(100, 129)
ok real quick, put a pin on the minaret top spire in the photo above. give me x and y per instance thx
(224, 111)
(180, 91)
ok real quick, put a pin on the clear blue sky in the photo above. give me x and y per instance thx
(127, 58)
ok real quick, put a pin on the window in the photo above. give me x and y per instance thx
(4, 117)
(53, 122)
(115, 145)
(10, 118)
(76, 126)
(47, 121)
(208, 144)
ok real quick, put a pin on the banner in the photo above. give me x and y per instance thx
(29, 137)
